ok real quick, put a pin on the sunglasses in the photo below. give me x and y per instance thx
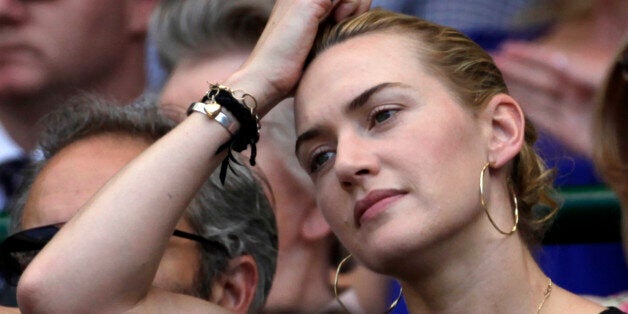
(18, 250)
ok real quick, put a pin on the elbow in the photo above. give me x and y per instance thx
(27, 297)
(34, 294)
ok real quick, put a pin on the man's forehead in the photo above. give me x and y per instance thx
(74, 175)
(53, 200)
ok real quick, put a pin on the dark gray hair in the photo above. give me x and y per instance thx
(197, 28)
(238, 215)
(81, 117)
(242, 219)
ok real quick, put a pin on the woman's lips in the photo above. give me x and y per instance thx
(374, 203)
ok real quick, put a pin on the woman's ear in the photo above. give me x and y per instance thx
(507, 127)
(235, 287)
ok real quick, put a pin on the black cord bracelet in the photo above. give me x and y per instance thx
(248, 134)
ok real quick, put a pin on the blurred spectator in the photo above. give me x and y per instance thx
(555, 77)
(610, 150)
(610, 129)
(50, 50)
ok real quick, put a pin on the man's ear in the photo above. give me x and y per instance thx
(235, 287)
(507, 127)
(139, 14)
(314, 226)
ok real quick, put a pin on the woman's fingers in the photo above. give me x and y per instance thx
(277, 60)
(347, 8)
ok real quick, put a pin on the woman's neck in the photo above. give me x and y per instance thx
(497, 275)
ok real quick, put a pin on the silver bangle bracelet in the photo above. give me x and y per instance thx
(218, 113)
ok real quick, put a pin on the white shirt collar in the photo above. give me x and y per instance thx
(8, 148)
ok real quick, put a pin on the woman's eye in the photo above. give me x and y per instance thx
(319, 160)
(381, 116)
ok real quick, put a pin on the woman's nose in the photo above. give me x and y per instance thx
(354, 161)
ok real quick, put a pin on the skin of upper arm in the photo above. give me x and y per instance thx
(9, 310)
(161, 301)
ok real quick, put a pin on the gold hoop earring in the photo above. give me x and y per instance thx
(483, 202)
(344, 260)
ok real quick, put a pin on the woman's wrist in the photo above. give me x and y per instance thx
(257, 85)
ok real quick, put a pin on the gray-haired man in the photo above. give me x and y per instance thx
(224, 246)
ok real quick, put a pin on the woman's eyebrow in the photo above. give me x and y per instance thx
(364, 97)
(355, 104)
(306, 136)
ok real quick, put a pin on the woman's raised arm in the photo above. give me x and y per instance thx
(95, 263)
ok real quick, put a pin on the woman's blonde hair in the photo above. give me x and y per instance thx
(467, 70)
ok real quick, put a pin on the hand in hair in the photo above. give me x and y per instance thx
(275, 64)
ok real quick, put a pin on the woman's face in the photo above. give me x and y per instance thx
(394, 158)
